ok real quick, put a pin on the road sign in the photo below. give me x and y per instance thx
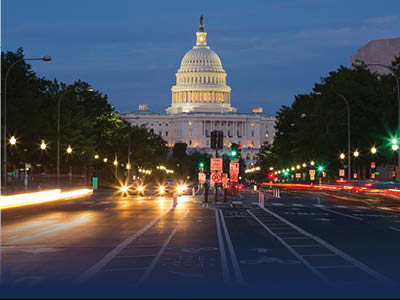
(312, 177)
(298, 175)
(216, 177)
(216, 164)
(202, 177)
(373, 165)
(341, 173)
(234, 177)
(373, 176)
(312, 172)
(225, 179)
(234, 168)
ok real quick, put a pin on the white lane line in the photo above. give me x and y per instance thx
(297, 255)
(397, 229)
(350, 259)
(161, 252)
(106, 259)
(236, 267)
(277, 204)
(224, 263)
(298, 205)
(338, 213)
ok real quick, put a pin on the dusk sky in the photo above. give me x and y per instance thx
(131, 50)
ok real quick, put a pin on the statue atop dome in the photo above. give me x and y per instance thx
(201, 29)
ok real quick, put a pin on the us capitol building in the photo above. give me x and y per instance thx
(201, 103)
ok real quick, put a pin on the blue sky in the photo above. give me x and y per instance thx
(131, 49)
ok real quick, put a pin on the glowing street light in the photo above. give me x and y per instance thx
(373, 150)
(356, 153)
(69, 149)
(43, 145)
(105, 159)
(312, 163)
(115, 163)
(395, 147)
(13, 141)
(342, 156)
(96, 156)
(128, 166)
(304, 165)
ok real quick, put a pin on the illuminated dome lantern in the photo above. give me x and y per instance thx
(201, 81)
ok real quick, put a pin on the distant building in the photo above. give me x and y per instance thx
(201, 103)
(378, 52)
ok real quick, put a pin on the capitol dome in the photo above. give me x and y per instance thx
(201, 81)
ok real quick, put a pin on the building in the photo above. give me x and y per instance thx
(201, 103)
(378, 52)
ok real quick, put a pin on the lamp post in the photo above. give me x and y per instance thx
(361, 63)
(348, 137)
(89, 89)
(69, 151)
(45, 58)
(129, 166)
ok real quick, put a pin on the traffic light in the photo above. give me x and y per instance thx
(235, 151)
(201, 166)
(217, 139)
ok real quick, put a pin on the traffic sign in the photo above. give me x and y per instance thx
(216, 164)
(373, 165)
(312, 173)
(298, 175)
(216, 177)
(202, 177)
(312, 177)
(234, 177)
(341, 173)
(234, 168)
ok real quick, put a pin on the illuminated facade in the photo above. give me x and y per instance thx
(201, 103)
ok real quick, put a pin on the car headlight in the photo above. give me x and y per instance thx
(162, 190)
(124, 189)
(140, 188)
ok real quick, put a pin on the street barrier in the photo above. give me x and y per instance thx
(175, 200)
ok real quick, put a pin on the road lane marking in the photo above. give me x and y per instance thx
(106, 259)
(224, 262)
(397, 229)
(236, 268)
(335, 250)
(297, 255)
(338, 213)
(150, 269)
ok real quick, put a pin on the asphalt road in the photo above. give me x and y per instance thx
(105, 245)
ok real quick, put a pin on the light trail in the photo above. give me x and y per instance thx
(40, 197)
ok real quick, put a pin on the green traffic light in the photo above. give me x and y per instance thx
(320, 168)
(233, 153)
(201, 165)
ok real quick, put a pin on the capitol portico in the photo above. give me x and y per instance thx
(201, 103)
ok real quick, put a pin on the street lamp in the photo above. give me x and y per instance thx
(13, 141)
(129, 153)
(88, 89)
(360, 63)
(44, 58)
(43, 145)
(342, 156)
(356, 153)
(373, 150)
(348, 134)
(69, 151)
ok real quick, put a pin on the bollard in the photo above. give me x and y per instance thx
(175, 200)
(261, 199)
